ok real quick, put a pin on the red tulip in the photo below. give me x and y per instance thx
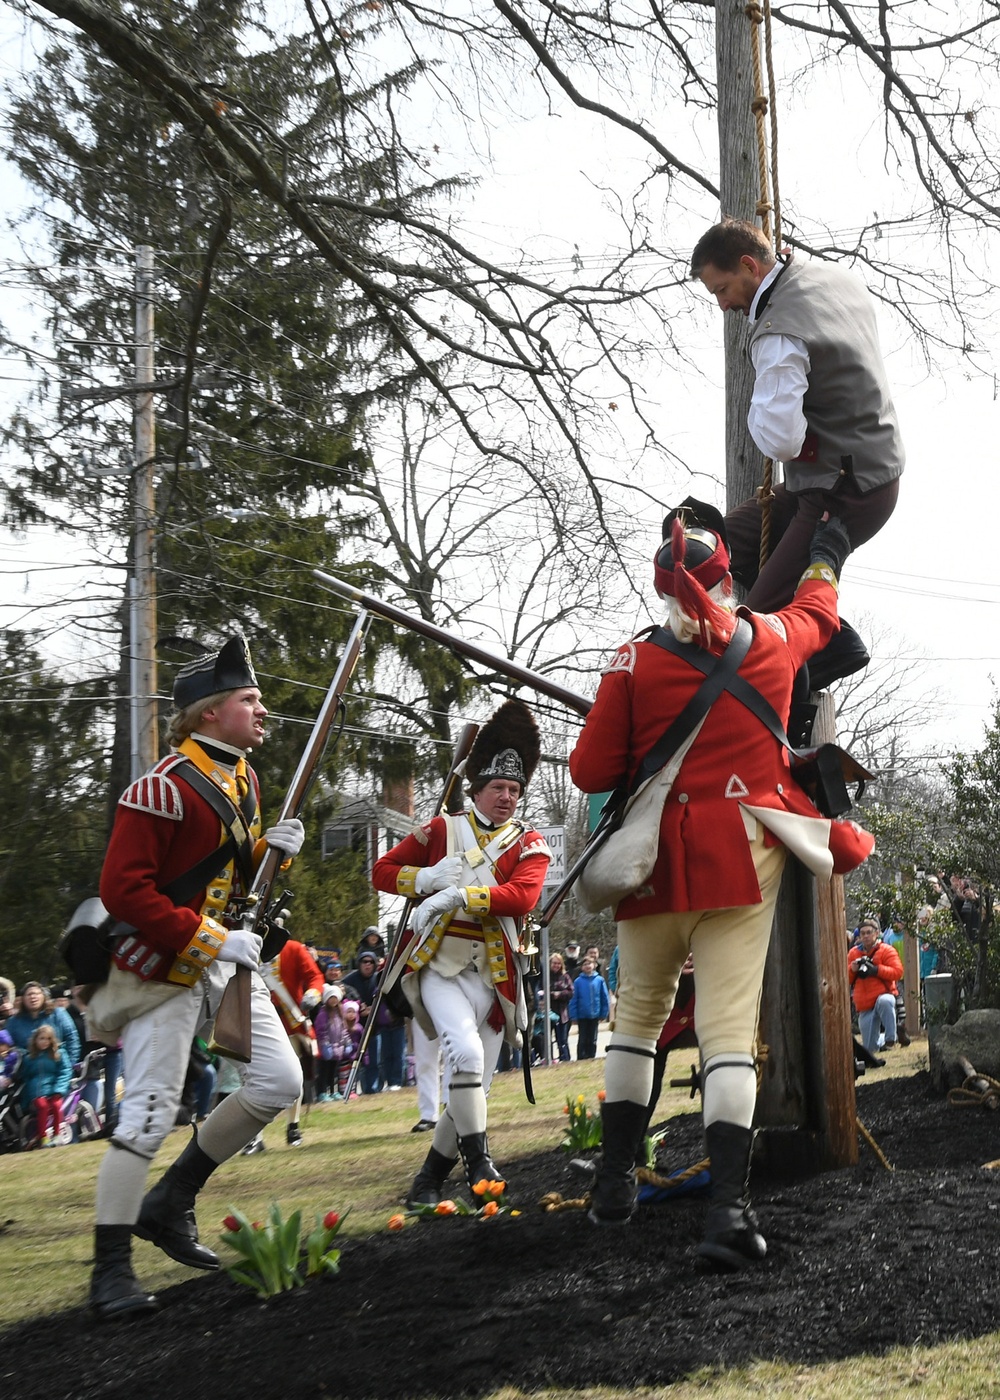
(231, 1224)
(331, 1220)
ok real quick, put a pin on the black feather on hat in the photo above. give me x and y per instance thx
(507, 746)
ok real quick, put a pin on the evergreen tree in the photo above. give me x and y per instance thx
(258, 348)
(52, 771)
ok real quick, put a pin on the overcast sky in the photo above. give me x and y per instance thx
(930, 579)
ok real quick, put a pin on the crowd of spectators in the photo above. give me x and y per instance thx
(44, 1048)
(44, 1053)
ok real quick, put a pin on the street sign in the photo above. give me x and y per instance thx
(555, 838)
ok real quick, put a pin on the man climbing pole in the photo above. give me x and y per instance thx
(821, 405)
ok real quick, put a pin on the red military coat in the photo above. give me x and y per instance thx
(704, 860)
(520, 870)
(162, 829)
(298, 973)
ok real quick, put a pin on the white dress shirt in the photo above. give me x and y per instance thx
(781, 368)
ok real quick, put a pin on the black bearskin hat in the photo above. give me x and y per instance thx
(507, 746)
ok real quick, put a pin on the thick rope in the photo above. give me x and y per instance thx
(968, 1097)
(759, 108)
(773, 112)
(647, 1177)
(552, 1201)
(874, 1146)
(761, 15)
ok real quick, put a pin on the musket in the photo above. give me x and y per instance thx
(607, 824)
(231, 1035)
(450, 800)
(505, 666)
(456, 643)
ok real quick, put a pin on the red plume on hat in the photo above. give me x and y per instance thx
(692, 559)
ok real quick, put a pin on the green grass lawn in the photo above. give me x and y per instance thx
(362, 1155)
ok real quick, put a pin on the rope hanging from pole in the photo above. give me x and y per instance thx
(759, 16)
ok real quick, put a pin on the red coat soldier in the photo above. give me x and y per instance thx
(295, 980)
(727, 821)
(185, 844)
(477, 874)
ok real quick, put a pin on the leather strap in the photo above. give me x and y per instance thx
(739, 688)
(233, 818)
(719, 673)
(184, 886)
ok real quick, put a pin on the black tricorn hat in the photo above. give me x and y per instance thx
(507, 746)
(230, 668)
(697, 513)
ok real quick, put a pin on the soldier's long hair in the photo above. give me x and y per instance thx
(183, 723)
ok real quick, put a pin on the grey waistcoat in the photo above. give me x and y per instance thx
(852, 423)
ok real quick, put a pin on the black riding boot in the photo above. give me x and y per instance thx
(114, 1289)
(429, 1181)
(732, 1239)
(624, 1124)
(166, 1217)
(479, 1166)
(844, 654)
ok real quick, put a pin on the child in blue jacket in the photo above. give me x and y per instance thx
(45, 1076)
(589, 1006)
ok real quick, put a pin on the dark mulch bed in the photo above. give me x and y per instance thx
(859, 1261)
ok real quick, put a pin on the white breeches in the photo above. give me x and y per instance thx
(459, 1008)
(427, 1069)
(728, 948)
(156, 1047)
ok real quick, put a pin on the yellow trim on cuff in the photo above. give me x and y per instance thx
(199, 954)
(406, 881)
(477, 899)
(822, 573)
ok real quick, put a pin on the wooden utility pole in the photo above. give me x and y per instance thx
(143, 709)
(808, 1075)
(738, 190)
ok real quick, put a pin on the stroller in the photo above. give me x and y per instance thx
(79, 1116)
(80, 1120)
(11, 1115)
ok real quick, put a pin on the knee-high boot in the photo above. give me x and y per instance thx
(612, 1200)
(166, 1217)
(732, 1239)
(429, 1181)
(114, 1290)
(479, 1165)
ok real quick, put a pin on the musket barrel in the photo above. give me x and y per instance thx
(570, 698)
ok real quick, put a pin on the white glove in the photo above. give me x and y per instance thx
(310, 1000)
(438, 877)
(286, 835)
(241, 946)
(428, 913)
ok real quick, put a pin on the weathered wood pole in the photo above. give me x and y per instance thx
(808, 1078)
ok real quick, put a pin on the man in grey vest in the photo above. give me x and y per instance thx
(821, 405)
